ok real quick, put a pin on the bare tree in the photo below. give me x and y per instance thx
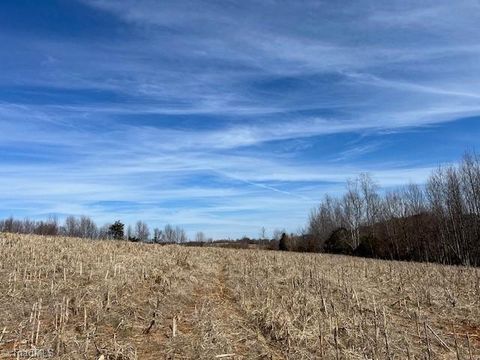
(71, 226)
(353, 209)
(414, 200)
(263, 233)
(470, 176)
(157, 235)
(174, 235)
(87, 227)
(142, 232)
(180, 235)
(200, 237)
(29, 226)
(324, 219)
(370, 198)
(169, 234)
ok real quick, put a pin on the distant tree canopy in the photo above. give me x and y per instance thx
(85, 227)
(437, 222)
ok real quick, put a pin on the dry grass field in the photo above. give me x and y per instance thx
(79, 299)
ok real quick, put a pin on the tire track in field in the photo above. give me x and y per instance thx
(270, 350)
(213, 303)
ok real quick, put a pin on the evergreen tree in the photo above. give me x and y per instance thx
(282, 244)
(116, 230)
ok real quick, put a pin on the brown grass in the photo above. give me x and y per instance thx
(87, 299)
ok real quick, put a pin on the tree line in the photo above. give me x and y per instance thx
(85, 227)
(438, 221)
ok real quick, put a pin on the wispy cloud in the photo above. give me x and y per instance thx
(228, 116)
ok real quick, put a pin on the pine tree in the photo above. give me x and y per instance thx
(282, 244)
(116, 230)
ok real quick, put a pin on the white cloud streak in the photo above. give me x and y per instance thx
(124, 119)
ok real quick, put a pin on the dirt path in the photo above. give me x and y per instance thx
(215, 324)
(232, 310)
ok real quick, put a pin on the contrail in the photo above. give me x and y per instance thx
(263, 186)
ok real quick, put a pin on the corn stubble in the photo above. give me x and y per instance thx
(84, 299)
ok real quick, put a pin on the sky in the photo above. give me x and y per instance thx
(227, 116)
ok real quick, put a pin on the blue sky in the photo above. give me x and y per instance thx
(226, 116)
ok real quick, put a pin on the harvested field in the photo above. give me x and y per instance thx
(80, 299)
